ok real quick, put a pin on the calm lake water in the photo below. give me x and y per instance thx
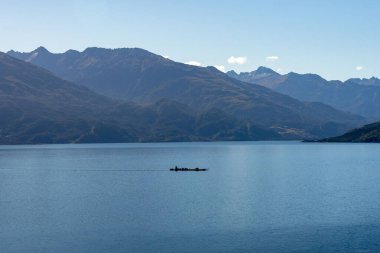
(256, 197)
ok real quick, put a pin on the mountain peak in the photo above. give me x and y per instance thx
(264, 70)
(260, 72)
(256, 76)
(308, 76)
(232, 74)
(72, 51)
(41, 50)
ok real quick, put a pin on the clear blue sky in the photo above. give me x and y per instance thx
(335, 38)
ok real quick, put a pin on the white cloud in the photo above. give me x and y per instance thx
(220, 68)
(237, 60)
(194, 63)
(166, 56)
(272, 58)
(279, 70)
(358, 68)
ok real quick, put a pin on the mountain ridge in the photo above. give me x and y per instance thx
(38, 107)
(358, 96)
(143, 77)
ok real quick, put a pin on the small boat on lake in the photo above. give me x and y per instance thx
(187, 169)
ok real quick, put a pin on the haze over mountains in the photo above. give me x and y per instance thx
(142, 77)
(359, 96)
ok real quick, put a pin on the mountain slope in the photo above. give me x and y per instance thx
(358, 96)
(367, 133)
(38, 107)
(140, 76)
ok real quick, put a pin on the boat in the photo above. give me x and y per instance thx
(187, 169)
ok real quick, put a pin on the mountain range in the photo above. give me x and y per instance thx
(38, 107)
(358, 96)
(138, 76)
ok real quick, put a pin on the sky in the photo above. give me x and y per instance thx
(333, 38)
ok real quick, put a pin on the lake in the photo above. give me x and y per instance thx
(256, 197)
